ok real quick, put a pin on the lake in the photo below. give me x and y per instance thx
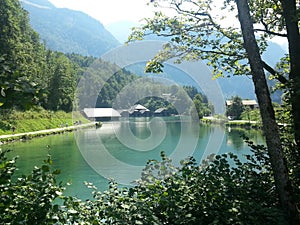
(119, 150)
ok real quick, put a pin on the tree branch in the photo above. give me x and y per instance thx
(271, 32)
(278, 76)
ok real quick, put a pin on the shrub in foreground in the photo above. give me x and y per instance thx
(222, 190)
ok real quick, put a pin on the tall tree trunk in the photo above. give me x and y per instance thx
(290, 15)
(270, 127)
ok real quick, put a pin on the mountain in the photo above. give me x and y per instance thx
(67, 30)
(235, 85)
(72, 31)
(243, 85)
(121, 29)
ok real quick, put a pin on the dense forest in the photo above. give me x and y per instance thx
(68, 30)
(31, 74)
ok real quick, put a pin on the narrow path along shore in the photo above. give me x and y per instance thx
(41, 132)
(229, 121)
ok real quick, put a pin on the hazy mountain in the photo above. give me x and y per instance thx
(72, 31)
(237, 85)
(67, 30)
(243, 85)
(121, 30)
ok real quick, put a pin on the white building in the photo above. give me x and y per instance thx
(101, 114)
(250, 103)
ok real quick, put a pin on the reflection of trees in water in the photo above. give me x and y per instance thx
(235, 136)
(206, 130)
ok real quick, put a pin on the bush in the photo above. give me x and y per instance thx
(223, 190)
(27, 199)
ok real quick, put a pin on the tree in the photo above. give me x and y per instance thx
(191, 91)
(236, 109)
(202, 107)
(197, 33)
(275, 149)
(21, 56)
(62, 83)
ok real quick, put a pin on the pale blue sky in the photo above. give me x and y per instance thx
(109, 11)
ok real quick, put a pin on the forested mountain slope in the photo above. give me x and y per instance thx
(67, 30)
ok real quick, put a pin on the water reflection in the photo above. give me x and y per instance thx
(121, 149)
(95, 154)
(234, 137)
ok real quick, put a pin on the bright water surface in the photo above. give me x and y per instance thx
(121, 149)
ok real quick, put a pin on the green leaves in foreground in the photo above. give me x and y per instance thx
(27, 199)
(223, 190)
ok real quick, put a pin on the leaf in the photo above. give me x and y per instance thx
(2, 92)
(56, 172)
(72, 211)
(45, 168)
(58, 193)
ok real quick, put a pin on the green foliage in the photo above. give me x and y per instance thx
(28, 199)
(195, 34)
(154, 103)
(251, 115)
(34, 119)
(282, 114)
(84, 35)
(291, 151)
(16, 90)
(192, 92)
(30, 74)
(80, 60)
(236, 109)
(222, 190)
(177, 97)
(113, 86)
(20, 57)
(201, 107)
(62, 84)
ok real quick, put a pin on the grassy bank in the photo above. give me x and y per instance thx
(12, 121)
(41, 133)
(244, 124)
(231, 123)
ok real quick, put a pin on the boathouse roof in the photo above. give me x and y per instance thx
(101, 113)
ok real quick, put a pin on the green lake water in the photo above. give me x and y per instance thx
(119, 150)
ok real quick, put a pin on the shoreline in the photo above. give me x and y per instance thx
(232, 123)
(8, 138)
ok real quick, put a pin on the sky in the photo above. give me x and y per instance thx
(109, 11)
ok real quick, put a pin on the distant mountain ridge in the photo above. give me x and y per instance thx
(71, 31)
(235, 85)
(67, 30)
(121, 29)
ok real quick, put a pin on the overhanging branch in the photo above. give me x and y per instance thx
(278, 76)
(271, 32)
